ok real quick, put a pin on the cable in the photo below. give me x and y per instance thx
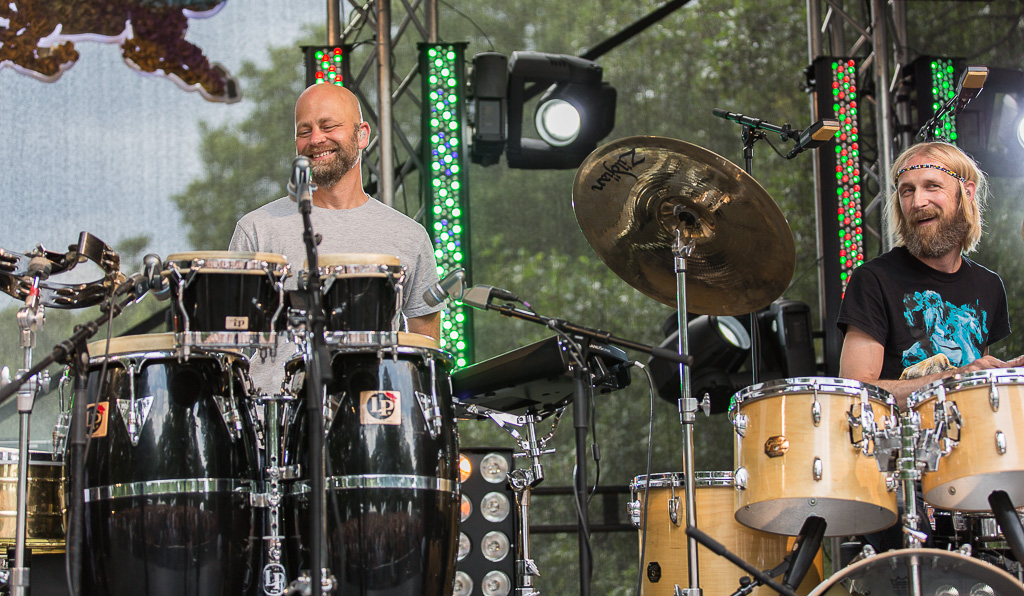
(472, 22)
(647, 483)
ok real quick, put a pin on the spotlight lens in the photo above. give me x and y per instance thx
(495, 546)
(496, 583)
(494, 468)
(467, 508)
(494, 507)
(465, 468)
(733, 332)
(465, 545)
(558, 122)
(463, 584)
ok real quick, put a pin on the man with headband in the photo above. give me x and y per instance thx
(923, 311)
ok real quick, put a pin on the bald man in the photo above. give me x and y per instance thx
(329, 129)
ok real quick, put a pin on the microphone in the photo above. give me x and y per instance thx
(452, 286)
(815, 136)
(970, 86)
(298, 185)
(804, 551)
(152, 269)
(480, 296)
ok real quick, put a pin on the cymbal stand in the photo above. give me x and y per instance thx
(523, 481)
(687, 404)
(30, 321)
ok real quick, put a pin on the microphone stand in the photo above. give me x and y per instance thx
(318, 363)
(76, 344)
(719, 549)
(581, 405)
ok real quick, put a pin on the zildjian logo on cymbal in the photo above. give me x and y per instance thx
(619, 168)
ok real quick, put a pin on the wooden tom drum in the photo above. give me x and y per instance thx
(666, 555)
(983, 410)
(796, 457)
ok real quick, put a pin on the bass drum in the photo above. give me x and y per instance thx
(941, 572)
(391, 463)
(169, 468)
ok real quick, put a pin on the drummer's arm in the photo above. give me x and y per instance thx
(426, 325)
(861, 360)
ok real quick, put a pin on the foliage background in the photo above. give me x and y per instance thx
(740, 55)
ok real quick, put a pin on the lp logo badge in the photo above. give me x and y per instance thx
(273, 579)
(380, 407)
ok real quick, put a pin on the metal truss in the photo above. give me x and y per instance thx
(383, 66)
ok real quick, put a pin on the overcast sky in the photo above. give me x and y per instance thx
(104, 148)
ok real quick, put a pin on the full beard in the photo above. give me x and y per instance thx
(327, 175)
(934, 243)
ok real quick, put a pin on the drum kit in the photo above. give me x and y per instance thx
(814, 457)
(196, 481)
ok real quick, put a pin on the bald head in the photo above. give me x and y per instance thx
(330, 98)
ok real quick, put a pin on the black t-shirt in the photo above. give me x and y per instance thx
(917, 312)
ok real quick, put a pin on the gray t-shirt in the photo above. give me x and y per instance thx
(373, 227)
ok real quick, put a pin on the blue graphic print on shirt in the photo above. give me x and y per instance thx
(956, 331)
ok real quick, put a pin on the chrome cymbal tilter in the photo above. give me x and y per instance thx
(523, 481)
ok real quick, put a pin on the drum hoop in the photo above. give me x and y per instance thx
(176, 486)
(370, 341)
(927, 557)
(244, 263)
(10, 455)
(823, 385)
(979, 378)
(367, 270)
(701, 479)
(134, 347)
(383, 481)
(355, 258)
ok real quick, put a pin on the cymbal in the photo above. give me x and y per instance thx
(631, 195)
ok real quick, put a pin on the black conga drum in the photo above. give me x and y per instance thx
(391, 470)
(169, 468)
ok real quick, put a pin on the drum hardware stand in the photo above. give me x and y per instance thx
(681, 250)
(274, 578)
(480, 297)
(719, 549)
(523, 481)
(31, 318)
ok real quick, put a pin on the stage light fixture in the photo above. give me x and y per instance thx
(991, 127)
(487, 556)
(575, 111)
(719, 346)
(558, 122)
(326, 64)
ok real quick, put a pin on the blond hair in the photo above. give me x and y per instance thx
(951, 157)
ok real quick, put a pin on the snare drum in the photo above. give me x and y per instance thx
(44, 524)
(226, 299)
(667, 554)
(169, 468)
(984, 452)
(796, 457)
(941, 572)
(391, 461)
(361, 292)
